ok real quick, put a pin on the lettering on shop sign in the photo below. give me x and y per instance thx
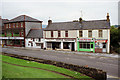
(87, 40)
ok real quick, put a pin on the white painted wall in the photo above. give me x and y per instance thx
(36, 40)
(75, 34)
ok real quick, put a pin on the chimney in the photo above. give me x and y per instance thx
(108, 17)
(80, 20)
(49, 22)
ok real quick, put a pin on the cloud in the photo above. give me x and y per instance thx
(61, 11)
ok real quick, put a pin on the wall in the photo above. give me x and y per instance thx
(36, 40)
(71, 34)
(29, 25)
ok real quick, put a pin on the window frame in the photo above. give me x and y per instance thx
(100, 33)
(80, 34)
(66, 33)
(51, 33)
(89, 33)
(59, 34)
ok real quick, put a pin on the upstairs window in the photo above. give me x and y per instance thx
(80, 34)
(66, 33)
(100, 33)
(21, 24)
(90, 33)
(16, 24)
(9, 25)
(13, 25)
(59, 35)
(51, 33)
(6, 25)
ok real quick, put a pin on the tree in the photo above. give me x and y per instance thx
(115, 39)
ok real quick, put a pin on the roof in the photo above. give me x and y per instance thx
(95, 24)
(24, 18)
(35, 33)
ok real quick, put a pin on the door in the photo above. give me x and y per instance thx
(72, 47)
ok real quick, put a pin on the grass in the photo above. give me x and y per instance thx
(12, 71)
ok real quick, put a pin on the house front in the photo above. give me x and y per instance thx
(2, 31)
(34, 39)
(16, 30)
(91, 36)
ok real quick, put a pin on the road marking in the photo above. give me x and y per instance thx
(109, 76)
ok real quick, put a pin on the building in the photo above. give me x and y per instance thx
(17, 29)
(2, 21)
(92, 36)
(35, 39)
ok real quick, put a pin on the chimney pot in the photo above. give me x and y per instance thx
(49, 22)
(80, 20)
(108, 17)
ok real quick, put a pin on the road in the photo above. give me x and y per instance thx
(110, 65)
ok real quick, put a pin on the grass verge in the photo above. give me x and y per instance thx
(23, 72)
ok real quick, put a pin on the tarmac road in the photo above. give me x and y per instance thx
(110, 65)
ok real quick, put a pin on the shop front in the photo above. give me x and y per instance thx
(86, 44)
(61, 44)
(101, 45)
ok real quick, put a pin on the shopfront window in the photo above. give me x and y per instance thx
(104, 45)
(38, 44)
(85, 45)
(49, 45)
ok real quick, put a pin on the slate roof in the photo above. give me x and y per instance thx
(24, 18)
(95, 24)
(35, 33)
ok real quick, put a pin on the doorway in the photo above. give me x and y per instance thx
(72, 47)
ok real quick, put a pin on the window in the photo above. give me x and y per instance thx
(13, 25)
(21, 24)
(9, 26)
(85, 45)
(38, 44)
(22, 33)
(90, 33)
(33, 39)
(31, 44)
(16, 24)
(80, 33)
(100, 33)
(59, 34)
(6, 25)
(49, 45)
(66, 33)
(39, 39)
(104, 45)
(51, 33)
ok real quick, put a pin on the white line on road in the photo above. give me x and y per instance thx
(109, 76)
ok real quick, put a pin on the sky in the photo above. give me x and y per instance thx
(61, 10)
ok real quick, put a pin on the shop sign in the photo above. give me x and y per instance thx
(101, 41)
(86, 39)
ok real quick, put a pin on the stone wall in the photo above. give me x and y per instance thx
(92, 72)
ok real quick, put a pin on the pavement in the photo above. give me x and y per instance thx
(106, 62)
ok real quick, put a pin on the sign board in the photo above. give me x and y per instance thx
(86, 39)
(11, 37)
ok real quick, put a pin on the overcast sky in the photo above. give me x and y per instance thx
(61, 10)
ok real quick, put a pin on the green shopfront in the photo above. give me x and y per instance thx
(86, 44)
